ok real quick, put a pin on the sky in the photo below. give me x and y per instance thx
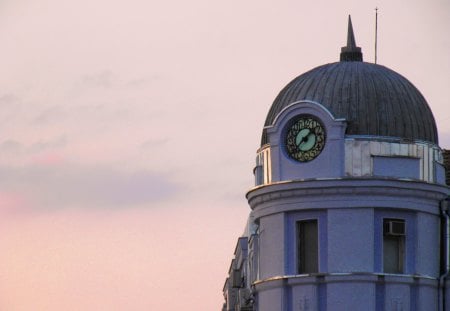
(128, 132)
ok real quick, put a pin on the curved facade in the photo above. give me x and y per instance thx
(350, 205)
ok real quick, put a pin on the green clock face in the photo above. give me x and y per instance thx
(305, 139)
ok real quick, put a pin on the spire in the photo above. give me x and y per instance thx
(351, 53)
(350, 35)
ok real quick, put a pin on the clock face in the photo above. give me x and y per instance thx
(305, 138)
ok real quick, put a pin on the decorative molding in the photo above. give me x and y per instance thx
(346, 193)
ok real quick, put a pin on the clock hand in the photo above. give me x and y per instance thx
(304, 133)
(308, 142)
(305, 137)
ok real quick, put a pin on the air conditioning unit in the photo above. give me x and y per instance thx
(394, 227)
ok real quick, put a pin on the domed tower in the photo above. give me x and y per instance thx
(349, 206)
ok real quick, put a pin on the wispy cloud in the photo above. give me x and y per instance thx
(53, 114)
(7, 99)
(11, 147)
(68, 184)
(104, 79)
(150, 144)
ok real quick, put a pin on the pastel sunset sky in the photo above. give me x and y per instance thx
(128, 132)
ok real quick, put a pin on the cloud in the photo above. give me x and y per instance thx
(68, 185)
(11, 105)
(106, 79)
(11, 146)
(16, 148)
(8, 99)
(49, 115)
(39, 146)
(150, 144)
(103, 79)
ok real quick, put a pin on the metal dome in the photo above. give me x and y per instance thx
(374, 100)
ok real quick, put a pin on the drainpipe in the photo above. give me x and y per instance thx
(446, 236)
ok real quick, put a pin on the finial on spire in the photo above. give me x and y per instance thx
(376, 33)
(351, 53)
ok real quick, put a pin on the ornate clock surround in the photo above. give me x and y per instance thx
(327, 163)
(305, 138)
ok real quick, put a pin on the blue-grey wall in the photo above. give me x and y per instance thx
(350, 188)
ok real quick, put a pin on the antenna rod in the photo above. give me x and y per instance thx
(376, 33)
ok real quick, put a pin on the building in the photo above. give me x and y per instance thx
(350, 205)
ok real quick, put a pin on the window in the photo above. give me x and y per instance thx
(307, 246)
(393, 245)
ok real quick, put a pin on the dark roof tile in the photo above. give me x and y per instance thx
(374, 100)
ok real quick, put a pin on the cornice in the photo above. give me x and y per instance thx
(346, 192)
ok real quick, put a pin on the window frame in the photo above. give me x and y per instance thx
(399, 243)
(302, 264)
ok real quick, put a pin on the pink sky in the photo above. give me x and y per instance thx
(128, 132)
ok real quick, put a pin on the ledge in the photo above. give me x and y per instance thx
(357, 277)
(347, 193)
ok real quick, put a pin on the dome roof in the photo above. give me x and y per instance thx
(373, 99)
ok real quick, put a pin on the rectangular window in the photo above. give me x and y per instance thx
(394, 232)
(308, 246)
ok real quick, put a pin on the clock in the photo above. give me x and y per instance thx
(305, 138)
